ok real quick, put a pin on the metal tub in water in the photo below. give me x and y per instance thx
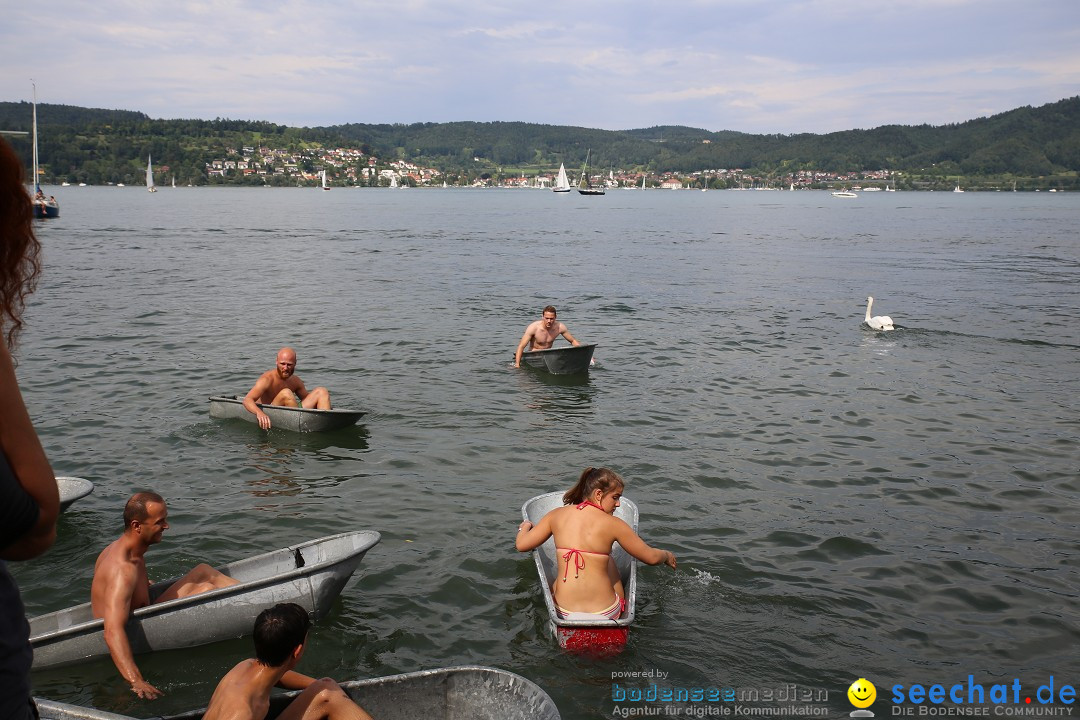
(72, 489)
(603, 636)
(567, 360)
(285, 418)
(457, 693)
(311, 575)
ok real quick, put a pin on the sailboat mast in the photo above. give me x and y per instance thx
(37, 185)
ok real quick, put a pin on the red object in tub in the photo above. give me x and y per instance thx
(593, 641)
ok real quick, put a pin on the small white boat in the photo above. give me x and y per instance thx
(72, 489)
(454, 693)
(325, 185)
(311, 574)
(587, 636)
(562, 183)
(284, 418)
(150, 186)
(845, 194)
(567, 360)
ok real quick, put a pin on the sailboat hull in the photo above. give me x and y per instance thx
(48, 212)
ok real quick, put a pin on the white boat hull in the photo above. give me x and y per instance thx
(310, 574)
(285, 418)
(456, 693)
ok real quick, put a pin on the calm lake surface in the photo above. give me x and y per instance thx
(843, 504)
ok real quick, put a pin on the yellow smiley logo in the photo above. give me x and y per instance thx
(862, 693)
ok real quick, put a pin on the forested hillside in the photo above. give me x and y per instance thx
(95, 146)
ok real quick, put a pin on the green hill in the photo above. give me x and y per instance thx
(1040, 144)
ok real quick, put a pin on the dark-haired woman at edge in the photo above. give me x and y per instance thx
(587, 584)
(29, 500)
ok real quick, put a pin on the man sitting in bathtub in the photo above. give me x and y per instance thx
(121, 585)
(280, 387)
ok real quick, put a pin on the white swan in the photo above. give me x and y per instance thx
(881, 322)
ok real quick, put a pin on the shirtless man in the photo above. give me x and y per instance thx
(541, 334)
(280, 387)
(120, 583)
(244, 693)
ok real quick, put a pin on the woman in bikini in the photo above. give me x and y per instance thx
(587, 582)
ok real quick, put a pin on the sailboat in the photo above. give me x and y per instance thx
(957, 189)
(562, 183)
(325, 186)
(150, 186)
(643, 181)
(584, 187)
(43, 208)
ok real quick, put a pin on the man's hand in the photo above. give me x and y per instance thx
(145, 690)
(264, 420)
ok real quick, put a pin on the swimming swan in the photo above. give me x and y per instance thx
(881, 322)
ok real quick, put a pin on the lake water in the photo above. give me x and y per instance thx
(843, 503)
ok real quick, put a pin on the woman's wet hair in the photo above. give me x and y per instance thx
(592, 479)
(278, 632)
(20, 252)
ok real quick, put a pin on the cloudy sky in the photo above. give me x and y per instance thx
(760, 66)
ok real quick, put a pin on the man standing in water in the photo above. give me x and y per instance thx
(244, 693)
(280, 387)
(541, 334)
(120, 583)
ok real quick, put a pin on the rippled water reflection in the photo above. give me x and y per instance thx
(842, 503)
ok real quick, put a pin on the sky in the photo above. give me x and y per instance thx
(757, 66)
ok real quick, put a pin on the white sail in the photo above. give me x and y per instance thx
(42, 208)
(150, 175)
(562, 183)
(325, 185)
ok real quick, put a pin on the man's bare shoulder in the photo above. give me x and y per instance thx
(267, 378)
(235, 697)
(116, 575)
(114, 556)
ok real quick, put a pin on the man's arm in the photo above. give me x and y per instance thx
(525, 340)
(120, 588)
(26, 458)
(252, 397)
(566, 334)
(301, 391)
(293, 680)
